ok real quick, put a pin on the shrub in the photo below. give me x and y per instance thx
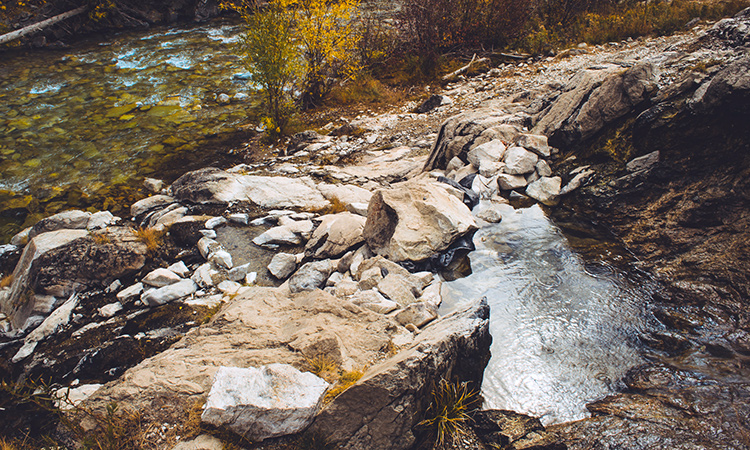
(448, 413)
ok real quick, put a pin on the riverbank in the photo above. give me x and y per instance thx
(603, 110)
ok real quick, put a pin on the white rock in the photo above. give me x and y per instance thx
(150, 203)
(206, 276)
(643, 162)
(251, 278)
(508, 182)
(110, 309)
(130, 292)
(229, 287)
(207, 246)
(536, 143)
(209, 301)
(161, 277)
(114, 287)
(519, 161)
(282, 265)
(180, 269)
(215, 222)
(166, 294)
(492, 151)
(419, 314)
(545, 190)
(211, 234)
(488, 211)
(358, 208)
(59, 318)
(100, 220)
(374, 301)
(485, 187)
(66, 399)
(153, 185)
(240, 218)
(543, 168)
(276, 236)
(431, 294)
(221, 258)
(270, 401)
(239, 273)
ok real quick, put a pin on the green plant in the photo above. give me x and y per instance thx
(448, 413)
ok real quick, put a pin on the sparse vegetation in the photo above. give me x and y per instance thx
(152, 237)
(448, 413)
(101, 238)
(344, 382)
(6, 281)
(324, 367)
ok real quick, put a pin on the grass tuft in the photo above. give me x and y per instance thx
(6, 281)
(448, 413)
(152, 237)
(324, 367)
(345, 381)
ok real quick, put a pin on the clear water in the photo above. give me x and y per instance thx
(113, 111)
(563, 332)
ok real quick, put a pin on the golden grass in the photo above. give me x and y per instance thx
(6, 281)
(448, 413)
(152, 237)
(324, 367)
(345, 381)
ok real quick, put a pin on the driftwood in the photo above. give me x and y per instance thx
(21, 32)
(463, 69)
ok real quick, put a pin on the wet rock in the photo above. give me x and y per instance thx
(381, 410)
(374, 301)
(536, 143)
(336, 234)
(508, 429)
(644, 162)
(416, 220)
(545, 190)
(166, 294)
(418, 314)
(223, 99)
(488, 211)
(519, 161)
(282, 265)
(310, 276)
(68, 220)
(161, 277)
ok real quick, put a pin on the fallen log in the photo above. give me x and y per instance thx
(39, 26)
(463, 69)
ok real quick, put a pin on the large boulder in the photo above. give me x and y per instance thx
(67, 220)
(265, 402)
(727, 92)
(216, 186)
(382, 409)
(336, 234)
(417, 219)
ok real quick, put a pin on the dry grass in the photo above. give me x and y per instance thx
(101, 238)
(324, 367)
(6, 281)
(336, 206)
(448, 413)
(345, 381)
(152, 237)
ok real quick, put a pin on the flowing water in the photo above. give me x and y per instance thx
(563, 332)
(111, 112)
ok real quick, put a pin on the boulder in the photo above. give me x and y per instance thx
(336, 234)
(418, 314)
(545, 190)
(492, 151)
(399, 288)
(282, 265)
(100, 220)
(215, 186)
(161, 277)
(416, 219)
(382, 409)
(207, 276)
(166, 294)
(270, 401)
(519, 161)
(310, 276)
(345, 193)
(543, 168)
(148, 204)
(372, 300)
(273, 237)
(536, 143)
(508, 182)
(68, 220)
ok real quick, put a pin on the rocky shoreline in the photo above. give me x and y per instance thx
(646, 138)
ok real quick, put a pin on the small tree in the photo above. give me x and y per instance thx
(270, 50)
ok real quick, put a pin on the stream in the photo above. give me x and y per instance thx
(564, 332)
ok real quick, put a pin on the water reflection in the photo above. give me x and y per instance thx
(563, 332)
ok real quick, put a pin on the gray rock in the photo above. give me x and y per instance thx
(148, 204)
(454, 164)
(223, 99)
(68, 220)
(153, 185)
(180, 269)
(519, 161)
(416, 219)
(372, 300)
(239, 273)
(282, 265)
(99, 220)
(270, 401)
(221, 259)
(508, 182)
(545, 190)
(130, 292)
(644, 162)
(381, 410)
(488, 211)
(310, 276)
(206, 246)
(576, 182)
(485, 187)
(166, 294)
(161, 277)
(543, 169)
(492, 151)
(431, 103)
(207, 276)
(110, 309)
(336, 234)
(215, 222)
(419, 314)
(534, 142)
(239, 218)
(51, 325)
(273, 237)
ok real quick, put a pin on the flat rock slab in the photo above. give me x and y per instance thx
(270, 401)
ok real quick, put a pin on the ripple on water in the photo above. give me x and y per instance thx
(563, 335)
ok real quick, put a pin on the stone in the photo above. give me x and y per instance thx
(381, 410)
(576, 181)
(507, 182)
(489, 169)
(431, 294)
(180, 269)
(202, 442)
(644, 162)
(270, 401)
(398, 288)
(282, 265)
(211, 234)
(310, 276)
(358, 208)
(239, 273)
(169, 218)
(434, 101)
(166, 294)
(545, 190)
(519, 161)
(415, 220)
(215, 186)
(130, 292)
(484, 186)
(488, 211)
(418, 314)
(251, 278)
(161, 277)
(153, 185)
(464, 171)
(21, 238)
(336, 234)
(215, 222)
(221, 259)
(302, 140)
(148, 204)
(370, 278)
(229, 287)
(99, 220)
(492, 151)
(68, 398)
(110, 309)
(239, 218)
(345, 193)
(206, 246)
(273, 237)
(727, 91)
(536, 143)
(51, 325)
(68, 220)
(454, 164)
(346, 288)
(374, 301)
(543, 168)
